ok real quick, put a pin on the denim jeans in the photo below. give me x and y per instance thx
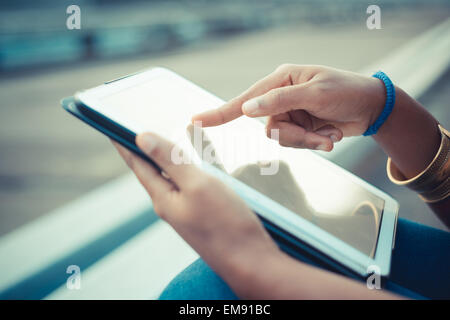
(420, 269)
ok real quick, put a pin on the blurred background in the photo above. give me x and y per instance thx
(48, 158)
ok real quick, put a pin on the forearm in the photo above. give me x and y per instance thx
(282, 277)
(410, 136)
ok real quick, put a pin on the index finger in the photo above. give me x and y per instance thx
(233, 109)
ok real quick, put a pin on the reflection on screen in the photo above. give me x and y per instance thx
(307, 186)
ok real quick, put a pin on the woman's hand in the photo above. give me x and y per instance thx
(312, 106)
(206, 213)
(315, 106)
(227, 234)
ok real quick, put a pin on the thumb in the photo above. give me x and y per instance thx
(335, 134)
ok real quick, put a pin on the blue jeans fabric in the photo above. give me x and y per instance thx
(419, 269)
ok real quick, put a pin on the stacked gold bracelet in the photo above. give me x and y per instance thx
(432, 184)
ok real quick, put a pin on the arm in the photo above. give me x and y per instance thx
(228, 235)
(315, 107)
(410, 136)
(417, 140)
(286, 278)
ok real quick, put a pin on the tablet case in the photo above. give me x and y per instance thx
(288, 243)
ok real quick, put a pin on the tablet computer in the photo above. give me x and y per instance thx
(314, 209)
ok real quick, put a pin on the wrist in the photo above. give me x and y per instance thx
(410, 136)
(254, 273)
(396, 118)
(376, 98)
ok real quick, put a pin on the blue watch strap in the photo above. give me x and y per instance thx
(389, 105)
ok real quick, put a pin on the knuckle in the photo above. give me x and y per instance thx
(159, 209)
(280, 97)
(155, 152)
(161, 205)
(319, 93)
(319, 88)
(285, 67)
(274, 98)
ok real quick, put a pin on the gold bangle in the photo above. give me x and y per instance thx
(433, 183)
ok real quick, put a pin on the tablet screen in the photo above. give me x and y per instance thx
(298, 179)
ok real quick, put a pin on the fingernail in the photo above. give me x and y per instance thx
(334, 138)
(250, 107)
(322, 147)
(148, 143)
